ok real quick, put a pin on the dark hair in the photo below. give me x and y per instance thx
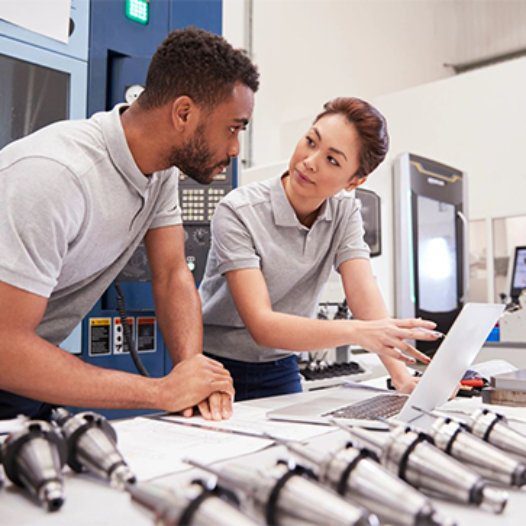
(370, 125)
(198, 64)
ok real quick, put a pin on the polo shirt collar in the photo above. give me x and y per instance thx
(284, 214)
(119, 150)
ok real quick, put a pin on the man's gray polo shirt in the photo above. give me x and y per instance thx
(255, 226)
(73, 208)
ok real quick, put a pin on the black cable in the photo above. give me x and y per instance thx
(128, 341)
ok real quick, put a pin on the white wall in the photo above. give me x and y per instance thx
(311, 51)
(234, 21)
(474, 122)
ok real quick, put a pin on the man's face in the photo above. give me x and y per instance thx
(215, 140)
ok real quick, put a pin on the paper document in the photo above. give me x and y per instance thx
(367, 387)
(248, 419)
(493, 367)
(154, 448)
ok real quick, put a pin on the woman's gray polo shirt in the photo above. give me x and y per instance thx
(255, 226)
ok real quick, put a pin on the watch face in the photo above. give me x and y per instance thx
(132, 93)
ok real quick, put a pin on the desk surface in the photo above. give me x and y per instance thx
(93, 503)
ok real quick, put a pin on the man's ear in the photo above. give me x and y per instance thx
(184, 113)
(355, 182)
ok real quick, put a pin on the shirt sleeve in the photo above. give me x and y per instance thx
(232, 244)
(41, 212)
(168, 211)
(352, 244)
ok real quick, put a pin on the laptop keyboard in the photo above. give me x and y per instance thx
(379, 406)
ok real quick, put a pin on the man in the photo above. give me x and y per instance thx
(76, 199)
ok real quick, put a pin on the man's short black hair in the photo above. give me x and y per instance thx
(198, 64)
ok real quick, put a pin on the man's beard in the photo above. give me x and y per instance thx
(194, 158)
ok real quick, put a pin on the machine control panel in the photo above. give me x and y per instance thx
(198, 202)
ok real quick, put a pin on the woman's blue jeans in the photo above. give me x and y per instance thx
(263, 379)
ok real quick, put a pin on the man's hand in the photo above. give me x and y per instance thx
(217, 407)
(387, 337)
(192, 381)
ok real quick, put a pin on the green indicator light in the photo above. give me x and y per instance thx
(138, 11)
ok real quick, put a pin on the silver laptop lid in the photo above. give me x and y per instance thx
(456, 353)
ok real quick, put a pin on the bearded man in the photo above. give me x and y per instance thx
(78, 197)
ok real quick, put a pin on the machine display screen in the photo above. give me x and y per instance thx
(519, 270)
(31, 97)
(437, 254)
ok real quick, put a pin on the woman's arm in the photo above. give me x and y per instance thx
(366, 303)
(296, 333)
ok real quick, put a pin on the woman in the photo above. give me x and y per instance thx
(273, 246)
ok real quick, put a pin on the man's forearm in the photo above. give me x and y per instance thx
(32, 367)
(178, 309)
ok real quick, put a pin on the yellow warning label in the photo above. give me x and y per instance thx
(99, 322)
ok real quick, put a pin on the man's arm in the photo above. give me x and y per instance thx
(366, 303)
(32, 367)
(177, 303)
(178, 308)
(296, 333)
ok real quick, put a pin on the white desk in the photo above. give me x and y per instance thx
(92, 503)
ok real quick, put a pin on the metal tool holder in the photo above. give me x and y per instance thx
(289, 496)
(197, 505)
(356, 474)
(92, 446)
(493, 464)
(413, 457)
(33, 458)
(494, 428)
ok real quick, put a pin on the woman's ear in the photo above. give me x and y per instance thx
(355, 182)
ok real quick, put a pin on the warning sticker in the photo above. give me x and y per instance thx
(146, 334)
(118, 334)
(99, 338)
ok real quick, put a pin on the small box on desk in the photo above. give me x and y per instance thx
(507, 389)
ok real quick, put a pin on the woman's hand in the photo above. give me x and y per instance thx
(405, 384)
(387, 337)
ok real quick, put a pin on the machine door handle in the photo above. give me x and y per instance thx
(465, 259)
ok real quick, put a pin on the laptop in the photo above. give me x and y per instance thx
(360, 406)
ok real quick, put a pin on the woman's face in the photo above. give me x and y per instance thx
(326, 159)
